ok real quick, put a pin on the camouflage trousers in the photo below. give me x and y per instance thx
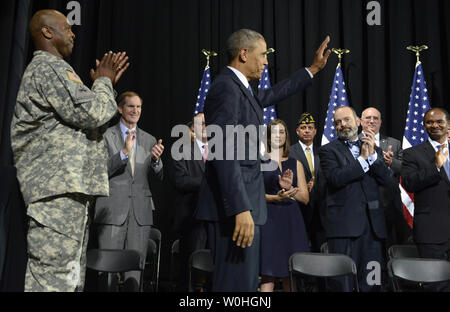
(57, 240)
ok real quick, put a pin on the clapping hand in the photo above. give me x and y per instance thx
(388, 156)
(157, 150)
(112, 66)
(285, 180)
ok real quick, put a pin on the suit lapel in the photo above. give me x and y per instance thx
(316, 161)
(118, 138)
(303, 160)
(140, 152)
(345, 150)
(384, 144)
(253, 101)
(431, 154)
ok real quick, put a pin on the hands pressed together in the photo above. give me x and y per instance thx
(112, 66)
(368, 144)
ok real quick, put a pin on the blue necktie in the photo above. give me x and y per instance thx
(250, 89)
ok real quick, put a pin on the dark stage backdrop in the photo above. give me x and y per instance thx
(164, 38)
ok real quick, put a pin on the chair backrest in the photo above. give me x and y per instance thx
(321, 264)
(420, 269)
(175, 247)
(201, 260)
(403, 251)
(113, 260)
(152, 248)
(155, 234)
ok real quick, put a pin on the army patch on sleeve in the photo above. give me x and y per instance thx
(74, 77)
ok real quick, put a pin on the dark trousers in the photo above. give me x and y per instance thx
(363, 250)
(436, 251)
(236, 269)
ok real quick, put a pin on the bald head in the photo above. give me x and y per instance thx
(51, 32)
(371, 120)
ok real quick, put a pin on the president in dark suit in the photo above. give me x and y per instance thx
(232, 195)
(353, 218)
(186, 176)
(426, 172)
(123, 219)
(398, 230)
(308, 154)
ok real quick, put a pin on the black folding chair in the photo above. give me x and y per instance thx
(174, 263)
(151, 262)
(418, 270)
(201, 260)
(115, 261)
(403, 251)
(155, 235)
(321, 265)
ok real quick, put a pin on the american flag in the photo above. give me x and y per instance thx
(415, 133)
(338, 97)
(204, 87)
(264, 84)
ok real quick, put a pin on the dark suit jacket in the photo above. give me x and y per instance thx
(186, 176)
(390, 193)
(234, 186)
(126, 191)
(431, 190)
(351, 192)
(318, 192)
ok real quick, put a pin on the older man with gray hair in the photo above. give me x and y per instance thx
(232, 197)
(398, 229)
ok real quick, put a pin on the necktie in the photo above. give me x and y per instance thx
(355, 147)
(131, 158)
(309, 159)
(354, 143)
(250, 89)
(205, 152)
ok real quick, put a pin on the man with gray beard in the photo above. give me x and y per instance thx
(353, 217)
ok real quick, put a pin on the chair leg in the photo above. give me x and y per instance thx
(291, 282)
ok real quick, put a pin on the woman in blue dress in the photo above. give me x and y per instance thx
(284, 232)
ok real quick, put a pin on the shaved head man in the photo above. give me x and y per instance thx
(59, 152)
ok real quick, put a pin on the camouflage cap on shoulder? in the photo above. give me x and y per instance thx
(305, 118)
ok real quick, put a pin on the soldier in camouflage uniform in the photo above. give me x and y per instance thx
(59, 153)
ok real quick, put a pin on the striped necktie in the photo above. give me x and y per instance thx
(131, 158)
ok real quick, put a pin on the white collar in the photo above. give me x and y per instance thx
(125, 128)
(240, 76)
(435, 144)
(304, 146)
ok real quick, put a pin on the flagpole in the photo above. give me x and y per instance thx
(417, 50)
